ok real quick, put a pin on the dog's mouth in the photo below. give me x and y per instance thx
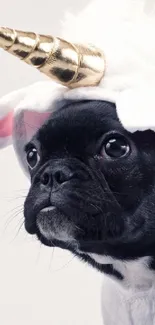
(44, 220)
(53, 228)
(67, 226)
(48, 209)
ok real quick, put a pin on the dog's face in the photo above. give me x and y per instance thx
(92, 188)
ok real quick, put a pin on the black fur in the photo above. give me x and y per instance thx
(108, 204)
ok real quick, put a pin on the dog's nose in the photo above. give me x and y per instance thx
(56, 176)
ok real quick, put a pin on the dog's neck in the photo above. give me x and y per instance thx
(130, 301)
(136, 274)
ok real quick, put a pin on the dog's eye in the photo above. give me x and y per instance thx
(32, 157)
(115, 147)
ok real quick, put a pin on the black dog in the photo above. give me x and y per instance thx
(93, 190)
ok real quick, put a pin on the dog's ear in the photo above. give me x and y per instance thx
(24, 111)
(6, 127)
(30, 107)
(7, 105)
(30, 122)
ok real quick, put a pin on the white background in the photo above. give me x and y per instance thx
(37, 286)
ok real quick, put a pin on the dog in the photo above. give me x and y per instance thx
(93, 193)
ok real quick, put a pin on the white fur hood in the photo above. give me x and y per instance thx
(124, 30)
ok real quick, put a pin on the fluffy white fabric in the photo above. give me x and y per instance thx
(124, 30)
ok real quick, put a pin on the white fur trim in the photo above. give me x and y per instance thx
(136, 109)
(91, 93)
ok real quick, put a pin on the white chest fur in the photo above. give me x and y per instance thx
(122, 306)
(132, 300)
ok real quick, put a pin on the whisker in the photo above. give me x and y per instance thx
(39, 253)
(14, 209)
(18, 231)
(51, 258)
(65, 265)
(99, 209)
(15, 198)
(13, 216)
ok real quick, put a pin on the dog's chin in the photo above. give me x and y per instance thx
(53, 229)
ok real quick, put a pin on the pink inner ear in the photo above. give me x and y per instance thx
(33, 121)
(6, 125)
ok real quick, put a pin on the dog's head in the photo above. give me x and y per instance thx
(92, 184)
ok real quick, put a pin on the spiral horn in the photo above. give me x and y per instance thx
(72, 65)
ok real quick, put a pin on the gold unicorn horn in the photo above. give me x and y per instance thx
(72, 65)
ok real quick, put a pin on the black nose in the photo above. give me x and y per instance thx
(53, 176)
